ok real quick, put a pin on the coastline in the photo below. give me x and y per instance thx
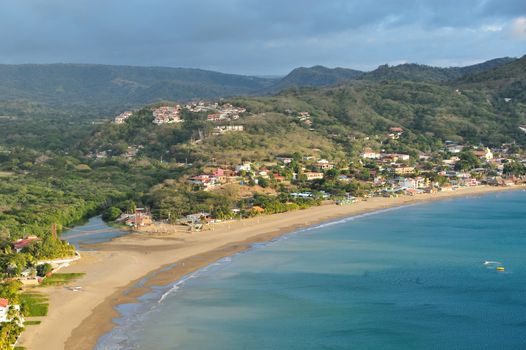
(122, 270)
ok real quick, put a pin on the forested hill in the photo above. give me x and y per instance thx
(81, 84)
(111, 88)
(317, 76)
(423, 73)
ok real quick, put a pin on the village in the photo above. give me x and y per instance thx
(169, 114)
(374, 173)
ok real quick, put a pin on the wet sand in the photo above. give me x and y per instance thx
(119, 271)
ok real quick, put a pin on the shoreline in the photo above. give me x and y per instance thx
(141, 261)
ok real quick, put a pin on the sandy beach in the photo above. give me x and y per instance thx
(116, 271)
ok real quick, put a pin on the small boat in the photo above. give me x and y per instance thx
(489, 262)
(501, 268)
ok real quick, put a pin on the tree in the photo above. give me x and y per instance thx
(44, 269)
(111, 214)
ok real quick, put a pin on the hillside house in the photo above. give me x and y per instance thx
(22, 243)
(167, 115)
(285, 160)
(403, 170)
(370, 154)
(121, 118)
(247, 167)
(311, 175)
(218, 130)
(4, 309)
(484, 154)
(395, 156)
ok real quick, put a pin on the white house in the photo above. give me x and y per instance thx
(243, 167)
(370, 154)
(4, 308)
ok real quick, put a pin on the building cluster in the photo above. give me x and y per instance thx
(225, 112)
(305, 118)
(167, 115)
(121, 118)
(222, 129)
(140, 217)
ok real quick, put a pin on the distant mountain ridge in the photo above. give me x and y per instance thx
(119, 87)
(316, 76)
(320, 76)
(124, 85)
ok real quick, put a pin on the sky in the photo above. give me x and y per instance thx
(265, 37)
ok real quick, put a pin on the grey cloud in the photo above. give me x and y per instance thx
(250, 36)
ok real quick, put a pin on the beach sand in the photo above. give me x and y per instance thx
(116, 271)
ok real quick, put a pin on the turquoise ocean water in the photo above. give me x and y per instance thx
(406, 278)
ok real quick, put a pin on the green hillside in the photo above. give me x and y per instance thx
(317, 76)
(102, 85)
(424, 73)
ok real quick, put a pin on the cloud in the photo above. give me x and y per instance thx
(518, 28)
(259, 37)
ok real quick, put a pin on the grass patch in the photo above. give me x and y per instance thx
(20, 348)
(59, 279)
(6, 174)
(34, 304)
(32, 323)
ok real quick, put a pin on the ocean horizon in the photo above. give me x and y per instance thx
(422, 276)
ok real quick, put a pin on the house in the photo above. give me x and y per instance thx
(4, 309)
(404, 170)
(311, 175)
(218, 130)
(22, 243)
(167, 115)
(452, 148)
(396, 156)
(302, 195)
(395, 133)
(121, 118)
(138, 219)
(199, 217)
(446, 188)
(243, 167)
(451, 161)
(285, 160)
(471, 182)
(484, 154)
(324, 164)
(370, 154)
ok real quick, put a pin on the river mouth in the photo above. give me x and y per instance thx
(93, 231)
